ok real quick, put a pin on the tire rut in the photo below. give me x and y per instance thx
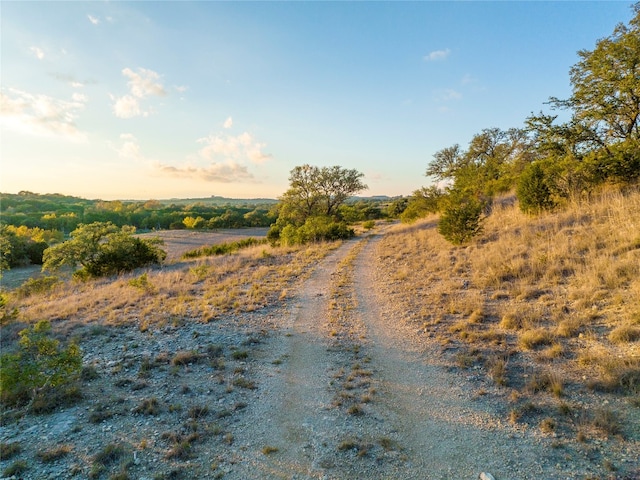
(294, 413)
(443, 430)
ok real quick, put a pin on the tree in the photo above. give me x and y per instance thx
(103, 249)
(606, 84)
(422, 203)
(315, 192)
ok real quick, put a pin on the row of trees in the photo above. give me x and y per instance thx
(547, 162)
(64, 213)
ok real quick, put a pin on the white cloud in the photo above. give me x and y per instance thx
(126, 107)
(79, 97)
(93, 20)
(77, 84)
(181, 88)
(227, 159)
(144, 83)
(228, 123)
(437, 55)
(40, 115)
(130, 148)
(37, 52)
(229, 147)
(227, 172)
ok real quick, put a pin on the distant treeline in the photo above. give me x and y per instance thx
(64, 213)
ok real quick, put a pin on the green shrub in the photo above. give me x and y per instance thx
(103, 249)
(40, 366)
(315, 229)
(461, 221)
(15, 469)
(533, 190)
(142, 282)
(224, 248)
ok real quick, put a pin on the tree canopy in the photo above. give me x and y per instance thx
(549, 162)
(310, 209)
(318, 191)
(103, 249)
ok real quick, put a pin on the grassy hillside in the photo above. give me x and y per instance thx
(548, 307)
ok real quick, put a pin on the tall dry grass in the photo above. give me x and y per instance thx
(560, 289)
(199, 290)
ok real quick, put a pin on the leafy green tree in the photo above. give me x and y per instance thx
(604, 131)
(317, 191)
(311, 204)
(606, 84)
(194, 223)
(422, 202)
(103, 249)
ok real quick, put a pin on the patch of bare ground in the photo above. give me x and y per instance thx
(164, 382)
(179, 242)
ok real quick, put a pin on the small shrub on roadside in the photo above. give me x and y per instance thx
(531, 339)
(8, 450)
(625, 334)
(40, 366)
(148, 406)
(53, 454)
(15, 469)
(185, 357)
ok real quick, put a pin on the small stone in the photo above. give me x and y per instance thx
(486, 476)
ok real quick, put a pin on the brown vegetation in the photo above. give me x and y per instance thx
(547, 304)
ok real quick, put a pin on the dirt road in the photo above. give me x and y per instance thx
(419, 422)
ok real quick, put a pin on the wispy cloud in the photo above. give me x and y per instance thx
(41, 115)
(223, 158)
(127, 107)
(227, 172)
(37, 52)
(237, 148)
(93, 20)
(142, 84)
(437, 55)
(228, 123)
(129, 149)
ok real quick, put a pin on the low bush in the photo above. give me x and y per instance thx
(39, 367)
(460, 221)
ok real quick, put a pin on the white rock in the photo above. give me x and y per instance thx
(486, 476)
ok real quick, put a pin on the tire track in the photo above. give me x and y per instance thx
(294, 413)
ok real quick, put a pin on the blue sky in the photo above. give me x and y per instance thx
(140, 100)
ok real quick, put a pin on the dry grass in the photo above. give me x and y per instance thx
(560, 289)
(200, 290)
